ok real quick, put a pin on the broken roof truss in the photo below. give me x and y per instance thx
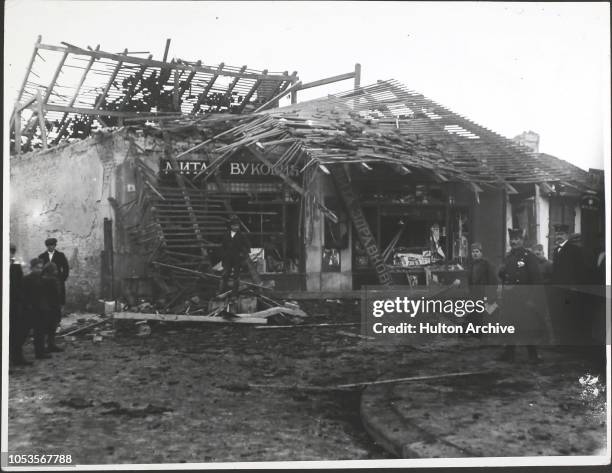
(69, 91)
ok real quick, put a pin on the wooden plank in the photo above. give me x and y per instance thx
(17, 128)
(188, 318)
(40, 111)
(166, 49)
(351, 201)
(328, 80)
(346, 324)
(107, 113)
(357, 82)
(274, 311)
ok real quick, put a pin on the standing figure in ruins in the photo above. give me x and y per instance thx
(521, 305)
(51, 305)
(235, 249)
(33, 294)
(18, 327)
(59, 258)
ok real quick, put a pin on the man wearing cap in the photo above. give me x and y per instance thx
(18, 327)
(235, 248)
(519, 273)
(59, 258)
(568, 271)
(481, 278)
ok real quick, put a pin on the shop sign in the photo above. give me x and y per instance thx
(185, 167)
(255, 169)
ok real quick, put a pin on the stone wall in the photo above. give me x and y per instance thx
(63, 193)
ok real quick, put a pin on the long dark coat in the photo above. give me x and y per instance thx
(63, 270)
(523, 301)
(482, 280)
(234, 250)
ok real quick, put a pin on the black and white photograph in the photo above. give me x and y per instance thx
(278, 234)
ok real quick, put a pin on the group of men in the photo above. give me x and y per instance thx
(526, 305)
(36, 302)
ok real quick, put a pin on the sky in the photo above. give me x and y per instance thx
(510, 67)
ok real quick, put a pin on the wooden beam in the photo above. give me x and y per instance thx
(167, 48)
(328, 80)
(357, 75)
(228, 92)
(25, 79)
(203, 95)
(55, 76)
(250, 93)
(150, 63)
(109, 83)
(63, 122)
(294, 96)
(176, 91)
(278, 97)
(188, 318)
(41, 119)
(103, 113)
(17, 128)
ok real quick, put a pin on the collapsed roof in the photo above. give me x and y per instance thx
(85, 89)
(386, 122)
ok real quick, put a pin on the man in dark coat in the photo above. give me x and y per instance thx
(60, 260)
(568, 272)
(235, 249)
(18, 326)
(50, 305)
(519, 273)
(33, 305)
(482, 280)
(546, 266)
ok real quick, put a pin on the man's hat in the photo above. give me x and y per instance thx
(516, 233)
(538, 247)
(50, 241)
(476, 246)
(13, 248)
(561, 228)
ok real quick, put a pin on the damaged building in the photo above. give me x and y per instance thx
(136, 166)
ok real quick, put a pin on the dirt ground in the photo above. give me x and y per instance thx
(182, 394)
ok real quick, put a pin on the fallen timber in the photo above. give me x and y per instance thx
(363, 384)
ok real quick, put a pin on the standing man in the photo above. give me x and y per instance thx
(519, 273)
(59, 258)
(33, 304)
(482, 280)
(545, 265)
(18, 326)
(568, 272)
(235, 249)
